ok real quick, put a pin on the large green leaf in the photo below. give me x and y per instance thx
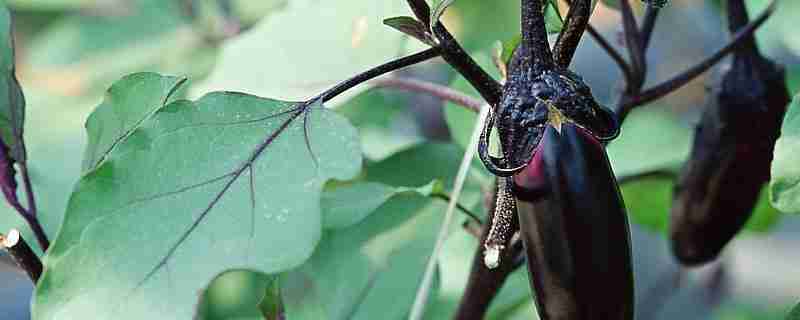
(785, 184)
(12, 102)
(192, 192)
(127, 103)
(328, 41)
(369, 270)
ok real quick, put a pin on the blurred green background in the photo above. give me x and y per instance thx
(70, 51)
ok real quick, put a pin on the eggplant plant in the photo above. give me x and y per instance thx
(180, 185)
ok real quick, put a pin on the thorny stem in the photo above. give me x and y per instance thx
(576, 22)
(534, 34)
(377, 71)
(434, 89)
(454, 54)
(666, 87)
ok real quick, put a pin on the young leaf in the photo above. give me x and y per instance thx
(227, 181)
(411, 27)
(12, 102)
(785, 184)
(126, 105)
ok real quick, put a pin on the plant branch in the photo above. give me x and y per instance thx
(737, 19)
(659, 173)
(434, 89)
(22, 254)
(633, 41)
(474, 217)
(421, 10)
(377, 71)
(569, 38)
(623, 65)
(648, 24)
(32, 214)
(534, 34)
(683, 78)
(454, 54)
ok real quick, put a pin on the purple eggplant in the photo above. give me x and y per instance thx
(574, 228)
(730, 158)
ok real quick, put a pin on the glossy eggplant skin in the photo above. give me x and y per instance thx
(575, 229)
(731, 155)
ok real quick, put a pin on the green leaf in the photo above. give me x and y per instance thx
(785, 183)
(191, 193)
(438, 8)
(271, 305)
(126, 105)
(50, 4)
(411, 27)
(383, 128)
(84, 53)
(455, 262)
(348, 37)
(639, 149)
(614, 4)
(346, 205)
(12, 102)
(794, 314)
(649, 200)
(236, 294)
(369, 270)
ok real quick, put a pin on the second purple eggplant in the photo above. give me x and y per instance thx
(730, 159)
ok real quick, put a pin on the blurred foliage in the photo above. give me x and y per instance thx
(794, 314)
(70, 51)
(785, 185)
